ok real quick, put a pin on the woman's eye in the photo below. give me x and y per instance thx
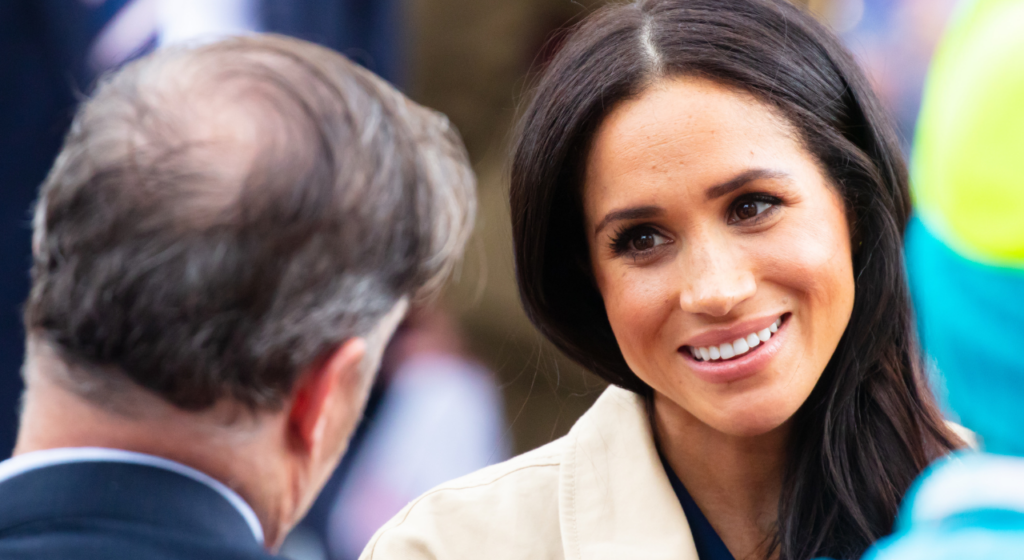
(637, 240)
(748, 209)
(646, 241)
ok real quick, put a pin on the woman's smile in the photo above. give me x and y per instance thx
(727, 355)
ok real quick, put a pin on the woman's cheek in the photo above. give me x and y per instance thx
(638, 302)
(813, 263)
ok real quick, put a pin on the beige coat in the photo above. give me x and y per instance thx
(599, 493)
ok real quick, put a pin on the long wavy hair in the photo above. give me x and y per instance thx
(871, 425)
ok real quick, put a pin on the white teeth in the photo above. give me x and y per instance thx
(738, 347)
(727, 351)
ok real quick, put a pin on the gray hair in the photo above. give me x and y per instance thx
(221, 217)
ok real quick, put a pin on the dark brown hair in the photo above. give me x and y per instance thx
(870, 426)
(221, 217)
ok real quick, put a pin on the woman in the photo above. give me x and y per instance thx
(708, 206)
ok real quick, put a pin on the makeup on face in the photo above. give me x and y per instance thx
(721, 251)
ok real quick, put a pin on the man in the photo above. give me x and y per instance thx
(226, 242)
(51, 50)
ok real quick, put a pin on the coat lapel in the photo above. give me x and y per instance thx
(615, 500)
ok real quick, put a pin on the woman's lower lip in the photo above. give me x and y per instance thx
(736, 369)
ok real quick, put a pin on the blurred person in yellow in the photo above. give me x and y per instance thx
(966, 259)
(227, 241)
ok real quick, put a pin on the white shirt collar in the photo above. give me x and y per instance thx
(38, 459)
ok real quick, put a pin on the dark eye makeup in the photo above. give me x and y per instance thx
(635, 240)
(752, 209)
(641, 240)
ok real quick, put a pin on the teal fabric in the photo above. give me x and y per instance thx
(971, 322)
(968, 507)
(969, 189)
(962, 248)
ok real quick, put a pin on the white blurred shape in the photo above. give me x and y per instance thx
(205, 20)
(128, 31)
(169, 22)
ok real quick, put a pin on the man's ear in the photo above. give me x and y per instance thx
(322, 388)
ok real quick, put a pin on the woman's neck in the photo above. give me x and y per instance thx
(736, 481)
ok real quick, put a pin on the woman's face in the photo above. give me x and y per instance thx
(721, 251)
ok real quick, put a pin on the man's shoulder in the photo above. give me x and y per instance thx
(495, 506)
(83, 539)
(95, 507)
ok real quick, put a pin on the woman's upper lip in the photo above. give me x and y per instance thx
(720, 335)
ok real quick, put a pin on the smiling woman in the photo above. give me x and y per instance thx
(708, 209)
(742, 237)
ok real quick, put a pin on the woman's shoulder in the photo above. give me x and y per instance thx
(491, 509)
(601, 487)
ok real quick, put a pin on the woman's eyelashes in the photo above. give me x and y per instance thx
(752, 209)
(637, 241)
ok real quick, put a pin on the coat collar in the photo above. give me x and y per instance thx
(615, 500)
(35, 460)
(147, 495)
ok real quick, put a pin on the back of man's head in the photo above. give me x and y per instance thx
(228, 237)
(222, 217)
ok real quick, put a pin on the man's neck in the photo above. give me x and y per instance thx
(55, 418)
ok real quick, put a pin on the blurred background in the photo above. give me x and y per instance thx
(468, 381)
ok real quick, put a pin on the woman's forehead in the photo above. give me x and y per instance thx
(684, 133)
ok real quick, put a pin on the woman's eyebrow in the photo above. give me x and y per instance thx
(717, 191)
(738, 181)
(634, 213)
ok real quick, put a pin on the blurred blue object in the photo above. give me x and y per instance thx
(971, 320)
(967, 507)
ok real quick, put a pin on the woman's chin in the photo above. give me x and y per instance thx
(750, 421)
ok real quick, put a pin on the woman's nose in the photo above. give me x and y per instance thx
(715, 279)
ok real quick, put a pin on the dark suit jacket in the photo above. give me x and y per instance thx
(112, 511)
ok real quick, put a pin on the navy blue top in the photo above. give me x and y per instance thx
(709, 544)
(98, 510)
